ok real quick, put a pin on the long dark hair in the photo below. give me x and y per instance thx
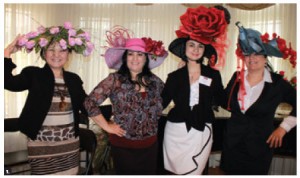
(145, 74)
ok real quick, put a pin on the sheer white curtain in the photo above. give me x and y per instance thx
(158, 21)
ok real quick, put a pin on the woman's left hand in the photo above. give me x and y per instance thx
(275, 139)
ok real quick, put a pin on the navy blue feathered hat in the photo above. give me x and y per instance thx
(250, 42)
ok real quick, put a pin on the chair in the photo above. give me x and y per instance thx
(88, 143)
(104, 163)
(15, 162)
(84, 120)
(90, 155)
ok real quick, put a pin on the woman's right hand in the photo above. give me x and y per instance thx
(12, 47)
(109, 126)
(114, 128)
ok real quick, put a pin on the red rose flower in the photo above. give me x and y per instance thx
(239, 52)
(149, 44)
(154, 47)
(281, 73)
(294, 80)
(202, 24)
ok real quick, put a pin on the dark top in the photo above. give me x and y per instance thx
(40, 85)
(257, 123)
(245, 151)
(177, 88)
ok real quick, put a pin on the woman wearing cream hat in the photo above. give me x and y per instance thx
(135, 94)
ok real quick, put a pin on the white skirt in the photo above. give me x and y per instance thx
(186, 152)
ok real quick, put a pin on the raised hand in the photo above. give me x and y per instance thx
(12, 47)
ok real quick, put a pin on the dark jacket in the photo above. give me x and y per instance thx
(259, 118)
(40, 85)
(177, 88)
(252, 128)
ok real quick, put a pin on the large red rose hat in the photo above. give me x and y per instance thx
(207, 26)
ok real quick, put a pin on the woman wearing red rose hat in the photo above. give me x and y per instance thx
(254, 94)
(135, 94)
(194, 89)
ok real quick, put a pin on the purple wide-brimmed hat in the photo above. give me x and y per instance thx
(120, 41)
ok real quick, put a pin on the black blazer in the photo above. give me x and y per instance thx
(257, 123)
(40, 85)
(177, 88)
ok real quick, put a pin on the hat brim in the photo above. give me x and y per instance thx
(177, 47)
(113, 58)
(272, 51)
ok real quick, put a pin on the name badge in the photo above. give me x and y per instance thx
(205, 80)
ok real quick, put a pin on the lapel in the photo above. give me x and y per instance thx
(47, 80)
(261, 99)
(267, 90)
(185, 86)
(203, 89)
(71, 87)
(234, 104)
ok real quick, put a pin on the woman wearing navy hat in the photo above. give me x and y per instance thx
(253, 96)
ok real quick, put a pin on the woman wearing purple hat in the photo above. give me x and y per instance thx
(254, 94)
(194, 89)
(135, 94)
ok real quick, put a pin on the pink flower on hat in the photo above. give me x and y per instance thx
(30, 44)
(32, 34)
(43, 42)
(76, 40)
(72, 32)
(41, 29)
(85, 35)
(22, 41)
(68, 25)
(72, 41)
(54, 30)
(63, 44)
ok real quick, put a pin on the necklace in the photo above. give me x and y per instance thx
(62, 104)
